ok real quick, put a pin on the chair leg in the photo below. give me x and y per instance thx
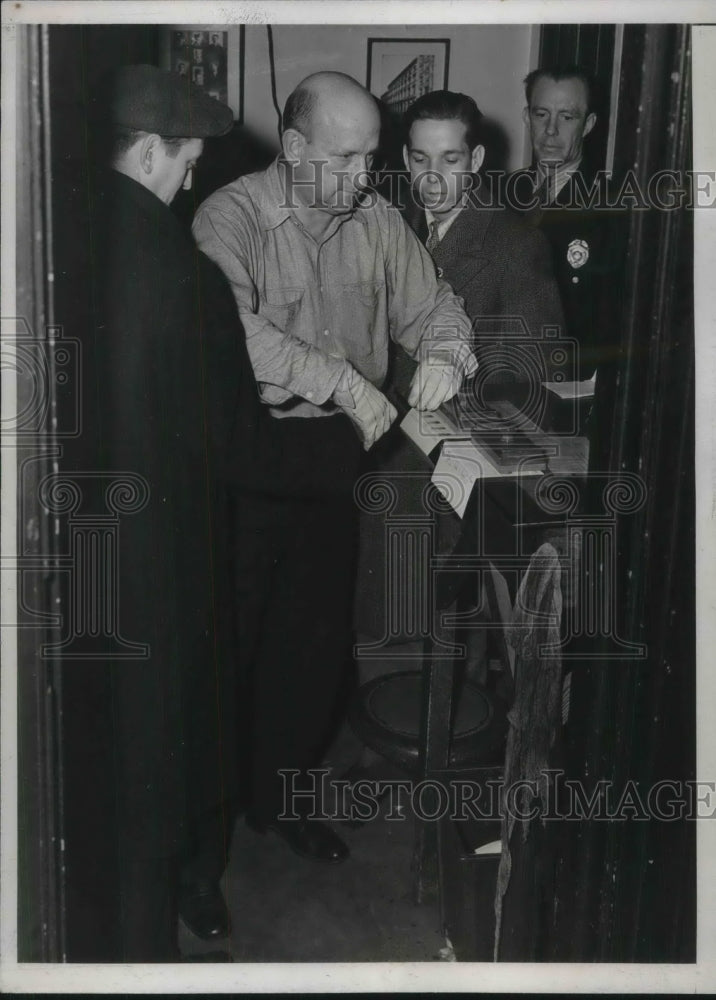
(426, 877)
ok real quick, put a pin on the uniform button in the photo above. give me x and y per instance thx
(325, 333)
(440, 272)
(575, 279)
(309, 395)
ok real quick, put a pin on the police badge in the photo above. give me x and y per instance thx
(578, 253)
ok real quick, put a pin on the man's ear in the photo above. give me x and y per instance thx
(478, 155)
(293, 143)
(406, 157)
(148, 149)
(590, 122)
(526, 115)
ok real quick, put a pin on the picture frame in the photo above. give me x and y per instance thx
(400, 70)
(212, 56)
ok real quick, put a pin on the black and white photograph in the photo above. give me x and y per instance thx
(216, 59)
(401, 70)
(358, 478)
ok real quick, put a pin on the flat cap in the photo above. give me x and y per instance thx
(148, 98)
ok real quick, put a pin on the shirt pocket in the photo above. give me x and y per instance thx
(362, 303)
(365, 328)
(282, 306)
(364, 293)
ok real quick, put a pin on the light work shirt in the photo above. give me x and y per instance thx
(310, 306)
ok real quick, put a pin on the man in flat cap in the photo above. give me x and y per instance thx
(168, 387)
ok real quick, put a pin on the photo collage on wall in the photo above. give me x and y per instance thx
(202, 56)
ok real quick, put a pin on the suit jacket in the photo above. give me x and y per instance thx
(588, 246)
(502, 270)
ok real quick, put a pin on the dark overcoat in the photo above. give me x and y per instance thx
(169, 398)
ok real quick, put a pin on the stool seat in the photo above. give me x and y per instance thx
(385, 713)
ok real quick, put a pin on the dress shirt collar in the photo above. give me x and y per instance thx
(444, 225)
(274, 209)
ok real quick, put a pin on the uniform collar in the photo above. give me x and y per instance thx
(557, 178)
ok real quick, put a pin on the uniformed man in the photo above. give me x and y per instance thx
(565, 196)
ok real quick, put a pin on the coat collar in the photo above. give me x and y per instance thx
(116, 191)
(569, 193)
(118, 183)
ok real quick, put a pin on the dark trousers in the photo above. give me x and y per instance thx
(209, 843)
(148, 911)
(295, 570)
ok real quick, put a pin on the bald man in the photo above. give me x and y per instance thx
(324, 274)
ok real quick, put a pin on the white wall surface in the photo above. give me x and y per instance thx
(488, 62)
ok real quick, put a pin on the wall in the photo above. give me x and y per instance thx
(488, 62)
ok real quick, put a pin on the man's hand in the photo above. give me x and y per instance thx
(365, 405)
(433, 384)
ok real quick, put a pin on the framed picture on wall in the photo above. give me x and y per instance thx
(212, 56)
(402, 69)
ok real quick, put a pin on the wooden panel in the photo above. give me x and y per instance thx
(592, 47)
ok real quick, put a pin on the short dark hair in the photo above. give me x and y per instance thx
(299, 110)
(557, 73)
(123, 138)
(446, 105)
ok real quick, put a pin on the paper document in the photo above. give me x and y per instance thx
(572, 390)
(494, 847)
(461, 463)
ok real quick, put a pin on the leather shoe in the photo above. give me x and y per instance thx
(203, 910)
(310, 839)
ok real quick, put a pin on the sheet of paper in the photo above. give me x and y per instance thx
(494, 847)
(572, 390)
(461, 463)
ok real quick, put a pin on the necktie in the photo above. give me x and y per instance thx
(433, 238)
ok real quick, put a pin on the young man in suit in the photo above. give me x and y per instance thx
(564, 196)
(497, 264)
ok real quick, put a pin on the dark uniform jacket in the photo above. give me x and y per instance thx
(169, 397)
(588, 245)
(503, 271)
